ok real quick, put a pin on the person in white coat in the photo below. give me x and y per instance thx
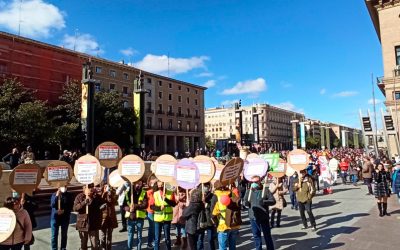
(121, 191)
(333, 167)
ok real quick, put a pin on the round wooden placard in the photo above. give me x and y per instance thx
(165, 168)
(25, 178)
(206, 168)
(231, 171)
(58, 173)
(87, 170)
(108, 154)
(8, 222)
(131, 167)
(298, 159)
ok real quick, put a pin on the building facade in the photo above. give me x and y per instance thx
(385, 18)
(174, 116)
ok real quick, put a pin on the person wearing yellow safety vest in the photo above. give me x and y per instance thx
(228, 221)
(163, 209)
(135, 213)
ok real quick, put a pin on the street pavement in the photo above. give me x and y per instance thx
(346, 219)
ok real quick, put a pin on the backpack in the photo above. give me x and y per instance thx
(202, 221)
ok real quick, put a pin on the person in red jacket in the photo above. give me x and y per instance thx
(344, 168)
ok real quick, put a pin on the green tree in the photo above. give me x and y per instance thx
(312, 142)
(113, 122)
(209, 143)
(337, 142)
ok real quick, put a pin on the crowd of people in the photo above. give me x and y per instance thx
(212, 209)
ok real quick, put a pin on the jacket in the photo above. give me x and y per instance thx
(178, 210)
(66, 204)
(344, 166)
(258, 204)
(121, 190)
(306, 191)
(396, 181)
(367, 169)
(12, 159)
(92, 220)
(20, 234)
(278, 193)
(30, 206)
(109, 217)
(191, 215)
(142, 206)
(219, 211)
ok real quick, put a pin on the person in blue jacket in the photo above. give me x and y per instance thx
(61, 207)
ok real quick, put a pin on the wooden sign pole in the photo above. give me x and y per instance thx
(264, 186)
(87, 197)
(131, 195)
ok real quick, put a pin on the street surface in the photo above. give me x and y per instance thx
(347, 219)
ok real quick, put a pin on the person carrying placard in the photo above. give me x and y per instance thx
(121, 192)
(109, 217)
(278, 190)
(178, 220)
(22, 233)
(88, 224)
(163, 204)
(258, 199)
(135, 211)
(150, 212)
(211, 232)
(305, 191)
(61, 207)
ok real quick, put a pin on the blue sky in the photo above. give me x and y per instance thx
(311, 56)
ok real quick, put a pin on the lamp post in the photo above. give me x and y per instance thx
(395, 73)
(140, 92)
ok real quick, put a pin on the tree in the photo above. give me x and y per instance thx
(337, 142)
(113, 122)
(312, 142)
(209, 143)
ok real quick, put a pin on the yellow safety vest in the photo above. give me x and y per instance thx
(166, 213)
(220, 210)
(140, 214)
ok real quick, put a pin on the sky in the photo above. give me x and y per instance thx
(314, 56)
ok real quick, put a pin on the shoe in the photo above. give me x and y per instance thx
(297, 208)
(314, 228)
(150, 246)
(123, 230)
(304, 228)
(277, 225)
(368, 194)
(178, 241)
(292, 207)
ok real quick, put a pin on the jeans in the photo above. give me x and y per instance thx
(354, 178)
(180, 230)
(123, 219)
(228, 239)
(13, 247)
(150, 237)
(256, 229)
(94, 239)
(278, 213)
(343, 175)
(211, 234)
(306, 206)
(191, 241)
(367, 181)
(132, 226)
(166, 226)
(293, 199)
(106, 238)
(55, 226)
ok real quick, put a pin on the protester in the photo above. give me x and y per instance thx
(353, 172)
(121, 192)
(150, 212)
(109, 217)
(305, 191)
(22, 234)
(30, 206)
(28, 156)
(135, 205)
(367, 170)
(163, 209)
(344, 168)
(178, 220)
(333, 167)
(278, 190)
(89, 218)
(12, 159)
(258, 198)
(381, 188)
(191, 214)
(61, 207)
(396, 181)
(226, 214)
(292, 193)
(210, 229)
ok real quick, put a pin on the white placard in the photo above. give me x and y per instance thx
(255, 169)
(281, 167)
(186, 174)
(86, 172)
(108, 152)
(164, 169)
(204, 167)
(130, 168)
(5, 223)
(25, 176)
(57, 173)
(115, 178)
(217, 174)
(298, 159)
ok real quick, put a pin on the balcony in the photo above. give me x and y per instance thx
(149, 111)
(196, 117)
(160, 112)
(180, 115)
(189, 116)
(170, 113)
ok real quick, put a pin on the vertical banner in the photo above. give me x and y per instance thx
(344, 139)
(84, 104)
(302, 135)
(328, 138)
(355, 139)
(136, 108)
(256, 130)
(322, 136)
(294, 133)
(238, 126)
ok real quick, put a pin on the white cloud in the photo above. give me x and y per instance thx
(377, 101)
(322, 91)
(286, 85)
(247, 87)
(345, 94)
(209, 83)
(38, 18)
(205, 74)
(229, 102)
(289, 106)
(85, 43)
(159, 64)
(128, 52)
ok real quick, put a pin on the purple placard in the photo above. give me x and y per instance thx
(187, 174)
(255, 166)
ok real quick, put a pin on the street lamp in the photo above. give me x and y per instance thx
(141, 91)
(395, 74)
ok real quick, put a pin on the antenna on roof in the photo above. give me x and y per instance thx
(168, 63)
(76, 37)
(19, 18)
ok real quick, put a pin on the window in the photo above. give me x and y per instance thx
(112, 86)
(196, 127)
(195, 91)
(125, 90)
(187, 100)
(179, 125)
(148, 106)
(397, 55)
(149, 93)
(159, 123)
(179, 98)
(170, 109)
(397, 95)
(197, 113)
(160, 83)
(179, 110)
(187, 126)
(160, 95)
(169, 124)
(126, 76)
(188, 90)
(97, 87)
(113, 73)
(170, 97)
(179, 87)
(188, 111)
(195, 101)
(170, 85)
(98, 69)
(148, 125)
(149, 80)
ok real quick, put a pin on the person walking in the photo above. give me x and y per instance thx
(163, 210)
(109, 217)
(208, 196)
(344, 168)
(353, 171)
(150, 212)
(191, 215)
(12, 159)
(61, 203)
(22, 234)
(334, 166)
(305, 191)
(88, 223)
(367, 170)
(381, 188)
(258, 199)
(135, 205)
(178, 220)
(292, 193)
(278, 190)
